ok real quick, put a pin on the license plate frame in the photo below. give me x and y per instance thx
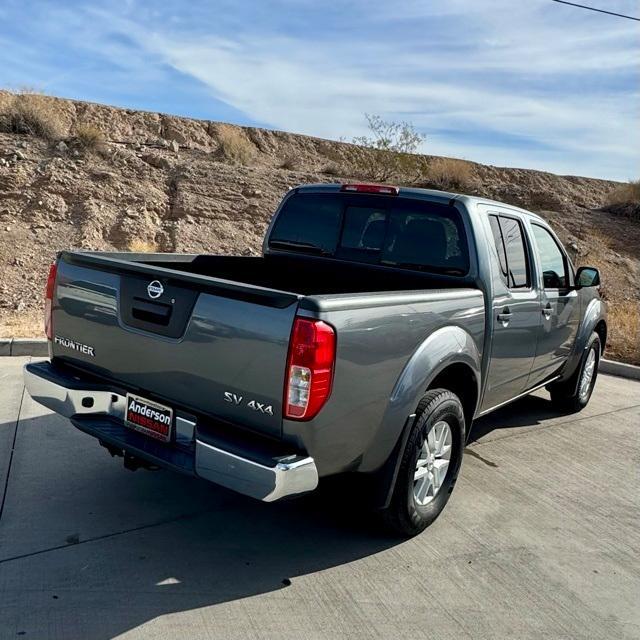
(149, 417)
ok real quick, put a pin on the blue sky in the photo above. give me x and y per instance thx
(527, 83)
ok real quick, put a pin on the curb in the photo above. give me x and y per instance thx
(23, 347)
(38, 347)
(620, 369)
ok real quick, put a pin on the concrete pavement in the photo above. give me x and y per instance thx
(540, 539)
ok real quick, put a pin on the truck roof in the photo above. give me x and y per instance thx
(432, 195)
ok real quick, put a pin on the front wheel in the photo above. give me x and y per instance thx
(574, 394)
(430, 463)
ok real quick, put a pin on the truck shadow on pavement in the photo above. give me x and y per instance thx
(526, 412)
(101, 550)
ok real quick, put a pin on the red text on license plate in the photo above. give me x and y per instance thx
(149, 417)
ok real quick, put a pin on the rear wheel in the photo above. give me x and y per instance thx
(430, 463)
(574, 394)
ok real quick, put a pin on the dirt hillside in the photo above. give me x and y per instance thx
(98, 177)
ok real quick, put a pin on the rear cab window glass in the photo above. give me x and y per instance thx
(312, 222)
(393, 231)
(364, 228)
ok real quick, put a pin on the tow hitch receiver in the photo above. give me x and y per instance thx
(133, 464)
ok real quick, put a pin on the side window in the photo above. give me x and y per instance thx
(515, 252)
(497, 239)
(552, 260)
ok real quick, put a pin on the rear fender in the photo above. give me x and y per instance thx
(446, 346)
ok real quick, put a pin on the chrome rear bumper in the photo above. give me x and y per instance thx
(266, 480)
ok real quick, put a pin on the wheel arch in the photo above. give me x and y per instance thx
(449, 358)
(594, 319)
(601, 329)
(460, 378)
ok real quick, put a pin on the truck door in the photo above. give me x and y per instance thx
(559, 306)
(516, 313)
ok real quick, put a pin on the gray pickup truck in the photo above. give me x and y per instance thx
(378, 323)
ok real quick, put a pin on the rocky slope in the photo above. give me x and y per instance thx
(176, 184)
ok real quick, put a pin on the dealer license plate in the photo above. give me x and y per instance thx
(149, 417)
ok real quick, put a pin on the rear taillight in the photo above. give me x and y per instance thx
(309, 369)
(383, 189)
(48, 301)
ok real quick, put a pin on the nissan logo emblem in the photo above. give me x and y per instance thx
(155, 289)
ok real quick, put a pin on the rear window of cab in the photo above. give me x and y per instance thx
(387, 230)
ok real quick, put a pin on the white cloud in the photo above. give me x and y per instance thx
(531, 83)
(276, 81)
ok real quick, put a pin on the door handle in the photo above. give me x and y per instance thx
(547, 311)
(505, 316)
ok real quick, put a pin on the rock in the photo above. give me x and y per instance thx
(175, 147)
(20, 306)
(23, 144)
(18, 155)
(156, 160)
(251, 193)
(62, 146)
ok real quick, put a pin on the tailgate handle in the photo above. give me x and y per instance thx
(154, 312)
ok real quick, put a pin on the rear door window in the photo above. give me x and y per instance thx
(515, 249)
(499, 244)
(508, 237)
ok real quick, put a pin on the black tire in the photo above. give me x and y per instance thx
(404, 515)
(566, 396)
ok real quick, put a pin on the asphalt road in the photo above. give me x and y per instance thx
(541, 539)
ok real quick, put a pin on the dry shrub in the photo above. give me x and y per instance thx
(332, 169)
(624, 331)
(22, 325)
(290, 162)
(624, 200)
(388, 152)
(234, 145)
(544, 201)
(628, 193)
(138, 245)
(450, 174)
(32, 114)
(382, 165)
(88, 137)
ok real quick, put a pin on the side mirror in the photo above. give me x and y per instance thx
(587, 277)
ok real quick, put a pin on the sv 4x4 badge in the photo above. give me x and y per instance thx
(254, 405)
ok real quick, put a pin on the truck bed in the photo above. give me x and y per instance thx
(303, 275)
(220, 330)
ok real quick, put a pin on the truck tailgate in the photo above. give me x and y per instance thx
(186, 340)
